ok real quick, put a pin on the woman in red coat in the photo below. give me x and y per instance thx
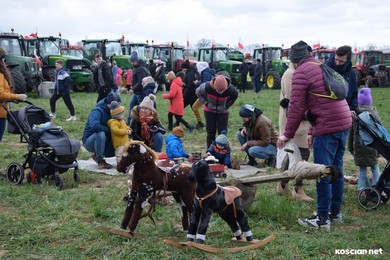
(176, 106)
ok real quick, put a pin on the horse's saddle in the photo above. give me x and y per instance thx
(231, 193)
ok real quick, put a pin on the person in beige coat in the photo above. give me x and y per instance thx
(300, 137)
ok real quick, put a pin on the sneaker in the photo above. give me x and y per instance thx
(190, 128)
(104, 165)
(199, 125)
(52, 115)
(315, 222)
(71, 118)
(338, 218)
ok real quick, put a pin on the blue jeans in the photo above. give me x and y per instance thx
(135, 101)
(96, 144)
(3, 123)
(363, 181)
(329, 150)
(158, 141)
(262, 152)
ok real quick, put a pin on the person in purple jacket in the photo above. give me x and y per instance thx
(330, 121)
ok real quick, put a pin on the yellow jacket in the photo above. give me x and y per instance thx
(118, 130)
(5, 94)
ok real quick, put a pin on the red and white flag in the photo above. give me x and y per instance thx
(240, 45)
(316, 45)
(213, 45)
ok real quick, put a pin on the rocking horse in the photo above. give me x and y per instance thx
(148, 178)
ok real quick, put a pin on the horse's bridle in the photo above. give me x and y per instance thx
(205, 197)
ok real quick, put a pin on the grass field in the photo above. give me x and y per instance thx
(40, 222)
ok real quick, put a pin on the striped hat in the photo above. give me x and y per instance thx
(116, 109)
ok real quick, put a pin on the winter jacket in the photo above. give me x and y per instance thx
(190, 87)
(152, 68)
(350, 76)
(5, 94)
(300, 137)
(107, 76)
(114, 70)
(139, 72)
(215, 102)
(206, 76)
(363, 155)
(223, 155)
(118, 77)
(149, 89)
(118, 130)
(129, 75)
(175, 95)
(160, 74)
(97, 122)
(243, 69)
(328, 116)
(258, 70)
(136, 124)
(62, 81)
(174, 147)
(261, 132)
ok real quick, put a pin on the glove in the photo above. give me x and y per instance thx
(22, 97)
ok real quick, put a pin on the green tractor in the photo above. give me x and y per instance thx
(49, 49)
(235, 55)
(218, 59)
(110, 49)
(273, 65)
(139, 48)
(25, 70)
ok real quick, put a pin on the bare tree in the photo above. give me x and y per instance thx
(203, 43)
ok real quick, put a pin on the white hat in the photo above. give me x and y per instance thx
(201, 66)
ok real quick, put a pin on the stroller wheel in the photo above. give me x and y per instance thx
(76, 175)
(58, 181)
(15, 173)
(369, 198)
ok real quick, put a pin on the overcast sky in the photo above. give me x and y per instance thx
(274, 22)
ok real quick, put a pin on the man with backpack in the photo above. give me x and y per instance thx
(330, 121)
(341, 63)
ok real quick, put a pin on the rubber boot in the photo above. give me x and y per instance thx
(282, 191)
(301, 195)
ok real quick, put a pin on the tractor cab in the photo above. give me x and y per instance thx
(170, 54)
(370, 68)
(323, 54)
(139, 48)
(219, 59)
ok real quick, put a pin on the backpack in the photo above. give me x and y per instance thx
(335, 84)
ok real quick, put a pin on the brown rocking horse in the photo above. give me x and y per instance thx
(148, 178)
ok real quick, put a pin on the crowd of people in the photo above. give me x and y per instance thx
(311, 120)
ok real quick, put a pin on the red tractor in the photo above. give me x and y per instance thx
(171, 54)
(370, 68)
(322, 54)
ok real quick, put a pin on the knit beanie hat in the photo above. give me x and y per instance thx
(134, 57)
(178, 131)
(298, 51)
(364, 97)
(112, 97)
(247, 111)
(2, 53)
(116, 109)
(171, 76)
(148, 102)
(201, 66)
(222, 139)
(147, 80)
(185, 64)
(220, 83)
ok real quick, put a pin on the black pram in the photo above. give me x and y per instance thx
(50, 151)
(373, 133)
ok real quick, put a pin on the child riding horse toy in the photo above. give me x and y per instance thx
(209, 198)
(148, 178)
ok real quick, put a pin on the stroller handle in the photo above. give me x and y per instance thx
(4, 103)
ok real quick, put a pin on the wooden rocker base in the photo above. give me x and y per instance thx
(211, 249)
(116, 231)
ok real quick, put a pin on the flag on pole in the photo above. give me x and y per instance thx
(35, 35)
(213, 45)
(240, 45)
(316, 45)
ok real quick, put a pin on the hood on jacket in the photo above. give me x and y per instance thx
(171, 137)
(342, 69)
(119, 71)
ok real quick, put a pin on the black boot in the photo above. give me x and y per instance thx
(252, 161)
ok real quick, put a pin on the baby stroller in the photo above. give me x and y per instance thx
(373, 133)
(50, 151)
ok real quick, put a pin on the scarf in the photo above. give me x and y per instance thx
(145, 131)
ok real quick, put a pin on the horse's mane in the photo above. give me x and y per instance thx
(150, 150)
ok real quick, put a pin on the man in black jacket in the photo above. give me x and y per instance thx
(102, 76)
(139, 72)
(257, 75)
(244, 73)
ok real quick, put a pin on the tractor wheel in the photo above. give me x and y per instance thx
(272, 79)
(18, 83)
(84, 87)
(369, 82)
(49, 74)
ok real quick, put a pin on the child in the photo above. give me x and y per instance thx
(174, 144)
(148, 86)
(118, 80)
(119, 130)
(220, 149)
(176, 106)
(364, 156)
